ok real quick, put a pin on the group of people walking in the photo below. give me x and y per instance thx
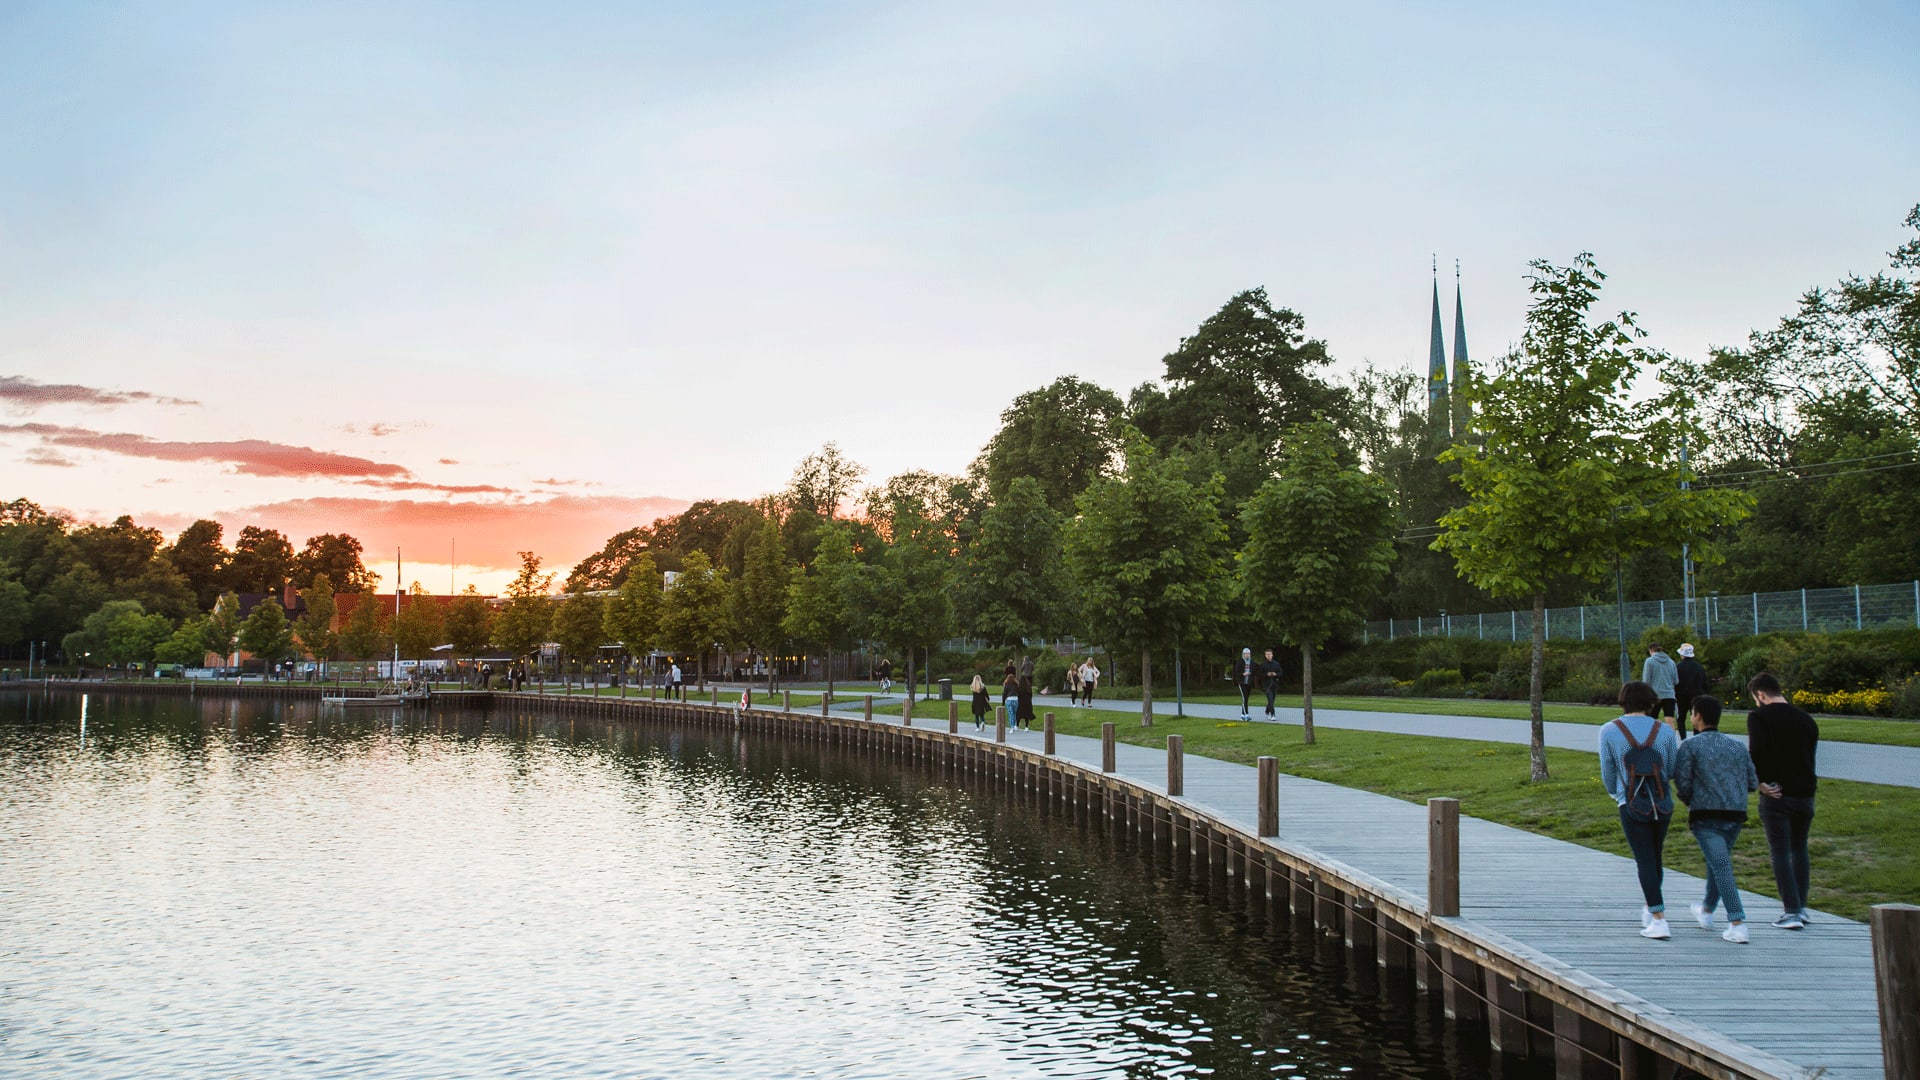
(1644, 764)
(1016, 691)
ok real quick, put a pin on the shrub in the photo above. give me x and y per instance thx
(1367, 686)
(1436, 682)
(1903, 699)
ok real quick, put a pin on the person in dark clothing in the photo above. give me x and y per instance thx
(1784, 741)
(1689, 682)
(980, 703)
(1010, 695)
(1245, 675)
(1270, 680)
(1024, 707)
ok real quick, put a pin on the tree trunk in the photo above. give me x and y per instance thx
(1146, 687)
(1537, 690)
(910, 680)
(1306, 692)
(829, 664)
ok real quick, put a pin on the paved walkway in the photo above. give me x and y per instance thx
(1796, 1003)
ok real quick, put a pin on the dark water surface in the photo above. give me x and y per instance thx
(243, 888)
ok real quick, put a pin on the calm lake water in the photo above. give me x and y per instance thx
(241, 888)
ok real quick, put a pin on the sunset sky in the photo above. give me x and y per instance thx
(518, 276)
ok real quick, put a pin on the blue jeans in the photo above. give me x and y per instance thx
(1646, 839)
(1012, 705)
(1716, 844)
(1786, 821)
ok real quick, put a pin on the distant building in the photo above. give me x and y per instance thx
(1447, 404)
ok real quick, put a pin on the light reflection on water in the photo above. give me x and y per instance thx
(241, 888)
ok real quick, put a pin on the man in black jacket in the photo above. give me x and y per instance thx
(1270, 680)
(1783, 741)
(1689, 682)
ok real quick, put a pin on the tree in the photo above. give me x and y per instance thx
(523, 624)
(1063, 437)
(632, 616)
(161, 589)
(1564, 472)
(1147, 557)
(824, 481)
(1319, 543)
(119, 551)
(693, 613)
(365, 635)
(262, 562)
(579, 626)
(315, 629)
(16, 610)
(198, 553)
(819, 600)
(186, 646)
(119, 633)
(336, 555)
(418, 627)
(266, 633)
(607, 568)
(1015, 584)
(223, 627)
(759, 598)
(911, 598)
(469, 624)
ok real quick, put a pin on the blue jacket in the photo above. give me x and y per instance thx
(1613, 746)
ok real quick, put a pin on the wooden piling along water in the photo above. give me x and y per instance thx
(1443, 857)
(1050, 749)
(1896, 976)
(1269, 799)
(1176, 765)
(953, 718)
(1106, 747)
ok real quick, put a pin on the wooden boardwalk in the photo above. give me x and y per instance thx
(1790, 1004)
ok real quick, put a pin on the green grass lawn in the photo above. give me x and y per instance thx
(1865, 850)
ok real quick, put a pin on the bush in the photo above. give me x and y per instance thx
(1367, 686)
(1438, 682)
(1050, 673)
(1873, 702)
(1903, 699)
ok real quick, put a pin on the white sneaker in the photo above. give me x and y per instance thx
(1737, 933)
(1657, 930)
(1806, 917)
(1646, 917)
(1700, 913)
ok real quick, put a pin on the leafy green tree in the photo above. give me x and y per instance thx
(820, 609)
(579, 626)
(199, 554)
(824, 482)
(161, 589)
(469, 624)
(133, 636)
(67, 600)
(336, 555)
(1319, 543)
(365, 635)
(910, 601)
(266, 633)
(1147, 557)
(314, 628)
(186, 646)
(1564, 470)
(16, 610)
(223, 627)
(607, 568)
(419, 626)
(693, 612)
(759, 596)
(1015, 585)
(1063, 437)
(632, 615)
(262, 562)
(523, 624)
(118, 551)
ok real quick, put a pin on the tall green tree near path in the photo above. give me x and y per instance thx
(1564, 470)
(820, 609)
(632, 615)
(336, 555)
(223, 626)
(823, 482)
(118, 551)
(469, 624)
(911, 593)
(161, 589)
(419, 626)
(1015, 587)
(16, 610)
(1063, 437)
(266, 633)
(199, 554)
(314, 628)
(1148, 559)
(262, 561)
(579, 627)
(759, 595)
(693, 612)
(1319, 544)
(523, 625)
(365, 635)
(186, 646)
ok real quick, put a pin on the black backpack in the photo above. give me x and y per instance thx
(1647, 796)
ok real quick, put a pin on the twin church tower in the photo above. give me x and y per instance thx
(1447, 404)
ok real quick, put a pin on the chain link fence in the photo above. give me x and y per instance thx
(1855, 607)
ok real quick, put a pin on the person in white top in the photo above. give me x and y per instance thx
(1089, 680)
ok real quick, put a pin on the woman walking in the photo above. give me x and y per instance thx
(980, 703)
(1025, 714)
(1010, 694)
(1637, 755)
(1073, 684)
(1714, 775)
(1089, 681)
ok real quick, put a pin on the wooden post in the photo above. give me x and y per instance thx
(786, 700)
(953, 718)
(1269, 796)
(653, 692)
(1443, 857)
(906, 712)
(1896, 971)
(1176, 765)
(867, 709)
(825, 699)
(1049, 733)
(1106, 747)
(999, 725)
(715, 691)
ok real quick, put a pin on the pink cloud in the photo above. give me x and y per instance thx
(25, 395)
(252, 457)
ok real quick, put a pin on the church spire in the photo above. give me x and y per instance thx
(1461, 371)
(1439, 415)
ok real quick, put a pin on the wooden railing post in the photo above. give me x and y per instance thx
(1443, 857)
(825, 700)
(1049, 734)
(786, 701)
(1896, 972)
(906, 712)
(999, 725)
(867, 708)
(1176, 765)
(1106, 747)
(1269, 796)
(715, 691)
(953, 717)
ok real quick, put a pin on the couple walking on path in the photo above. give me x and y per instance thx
(1643, 764)
(1247, 675)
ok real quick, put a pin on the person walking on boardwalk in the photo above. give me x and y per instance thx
(1245, 674)
(1010, 695)
(1073, 684)
(1689, 682)
(1089, 681)
(980, 703)
(1636, 759)
(1270, 675)
(1659, 672)
(1713, 775)
(1025, 697)
(885, 672)
(675, 688)
(1784, 741)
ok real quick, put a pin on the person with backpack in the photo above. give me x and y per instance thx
(1637, 754)
(1713, 775)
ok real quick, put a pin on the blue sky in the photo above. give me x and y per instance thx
(605, 252)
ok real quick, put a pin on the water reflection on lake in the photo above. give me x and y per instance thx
(222, 888)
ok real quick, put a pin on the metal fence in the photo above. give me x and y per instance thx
(1856, 607)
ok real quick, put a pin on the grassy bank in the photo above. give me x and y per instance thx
(1864, 849)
